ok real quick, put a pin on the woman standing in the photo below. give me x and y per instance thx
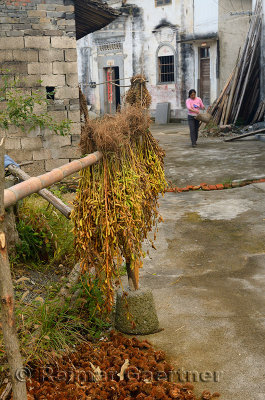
(194, 105)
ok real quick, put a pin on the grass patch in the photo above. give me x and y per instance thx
(49, 326)
(46, 235)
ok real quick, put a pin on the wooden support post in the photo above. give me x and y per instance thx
(46, 194)
(132, 276)
(7, 302)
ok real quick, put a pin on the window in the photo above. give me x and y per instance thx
(166, 68)
(205, 52)
(162, 2)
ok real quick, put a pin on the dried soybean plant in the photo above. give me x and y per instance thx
(117, 199)
(138, 93)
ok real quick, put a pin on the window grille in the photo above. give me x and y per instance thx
(166, 69)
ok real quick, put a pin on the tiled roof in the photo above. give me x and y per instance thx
(92, 15)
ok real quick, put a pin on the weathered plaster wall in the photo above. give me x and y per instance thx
(232, 33)
(37, 42)
(183, 26)
(142, 30)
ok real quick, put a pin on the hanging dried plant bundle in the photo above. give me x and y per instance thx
(117, 200)
(138, 93)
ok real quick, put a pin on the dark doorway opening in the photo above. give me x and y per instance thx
(118, 89)
(205, 78)
(112, 90)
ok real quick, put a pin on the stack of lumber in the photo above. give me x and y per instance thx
(239, 100)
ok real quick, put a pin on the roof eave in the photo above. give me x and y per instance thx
(91, 16)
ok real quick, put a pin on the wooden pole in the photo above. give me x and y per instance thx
(244, 61)
(216, 105)
(232, 91)
(132, 274)
(35, 184)
(242, 93)
(7, 302)
(244, 135)
(46, 194)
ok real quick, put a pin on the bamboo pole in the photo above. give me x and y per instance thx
(46, 194)
(35, 184)
(221, 94)
(224, 109)
(248, 71)
(244, 135)
(232, 91)
(7, 303)
(245, 58)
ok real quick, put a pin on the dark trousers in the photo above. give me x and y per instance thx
(194, 128)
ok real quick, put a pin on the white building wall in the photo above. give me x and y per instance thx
(182, 27)
(205, 16)
(140, 47)
(147, 43)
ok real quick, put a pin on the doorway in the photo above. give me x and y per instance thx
(205, 76)
(112, 92)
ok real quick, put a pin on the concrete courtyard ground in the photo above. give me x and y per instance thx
(208, 272)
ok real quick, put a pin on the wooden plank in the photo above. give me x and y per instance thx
(46, 194)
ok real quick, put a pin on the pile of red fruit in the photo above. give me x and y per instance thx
(205, 186)
(118, 368)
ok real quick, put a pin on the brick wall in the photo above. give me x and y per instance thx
(37, 43)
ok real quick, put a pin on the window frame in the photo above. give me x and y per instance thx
(159, 74)
(164, 4)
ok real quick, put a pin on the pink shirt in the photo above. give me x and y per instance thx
(196, 103)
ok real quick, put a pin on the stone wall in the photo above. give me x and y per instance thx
(37, 43)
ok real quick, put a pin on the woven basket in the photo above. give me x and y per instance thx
(203, 117)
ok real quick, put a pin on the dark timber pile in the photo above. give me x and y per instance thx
(239, 101)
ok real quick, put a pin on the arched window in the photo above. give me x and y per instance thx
(166, 64)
